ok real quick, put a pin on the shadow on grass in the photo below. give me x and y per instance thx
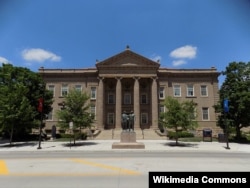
(17, 144)
(79, 143)
(180, 144)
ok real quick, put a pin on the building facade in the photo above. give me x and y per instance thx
(130, 82)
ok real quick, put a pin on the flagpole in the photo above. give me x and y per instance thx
(40, 109)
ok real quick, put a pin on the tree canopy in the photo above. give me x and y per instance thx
(178, 116)
(236, 89)
(75, 109)
(20, 90)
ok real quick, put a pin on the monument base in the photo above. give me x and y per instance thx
(128, 141)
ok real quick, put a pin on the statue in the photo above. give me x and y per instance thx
(131, 121)
(124, 121)
(128, 121)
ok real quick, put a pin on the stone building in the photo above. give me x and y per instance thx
(129, 82)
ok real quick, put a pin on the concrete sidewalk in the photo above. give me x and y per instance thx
(106, 145)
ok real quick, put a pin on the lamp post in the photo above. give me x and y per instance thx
(41, 109)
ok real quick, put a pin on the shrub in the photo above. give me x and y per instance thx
(181, 134)
(78, 136)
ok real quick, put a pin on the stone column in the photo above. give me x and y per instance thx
(137, 103)
(118, 103)
(99, 102)
(154, 105)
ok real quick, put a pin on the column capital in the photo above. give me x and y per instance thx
(100, 78)
(136, 77)
(118, 77)
(154, 77)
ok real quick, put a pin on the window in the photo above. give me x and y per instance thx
(111, 98)
(127, 98)
(93, 93)
(111, 119)
(203, 90)
(144, 118)
(49, 117)
(161, 93)
(190, 90)
(205, 113)
(78, 88)
(52, 89)
(193, 114)
(177, 90)
(93, 110)
(144, 99)
(162, 108)
(64, 90)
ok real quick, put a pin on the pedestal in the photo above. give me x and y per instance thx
(128, 141)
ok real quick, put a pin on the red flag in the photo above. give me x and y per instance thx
(40, 105)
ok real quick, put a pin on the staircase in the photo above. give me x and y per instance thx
(146, 134)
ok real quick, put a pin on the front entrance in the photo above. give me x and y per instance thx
(128, 102)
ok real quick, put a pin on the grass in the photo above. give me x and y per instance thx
(200, 139)
(66, 139)
(196, 139)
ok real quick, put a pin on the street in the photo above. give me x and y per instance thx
(113, 169)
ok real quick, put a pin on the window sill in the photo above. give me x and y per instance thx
(191, 97)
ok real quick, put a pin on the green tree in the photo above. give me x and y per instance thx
(236, 89)
(76, 110)
(20, 90)
(179, 116)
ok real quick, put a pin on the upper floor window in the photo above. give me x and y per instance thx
(127, 98)
(161, 93)
(93, 93)
(190, 90)
(64, 90)
(205, 113)
(52, 89)
(144, 99)
(111, 98)
(177, 90)
(204, 90)
(78, 88)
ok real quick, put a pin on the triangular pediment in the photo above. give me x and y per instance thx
(127, 58)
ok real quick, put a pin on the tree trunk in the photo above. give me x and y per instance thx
(238, 133)
(74, 138)
(176, 136)
(11, 133)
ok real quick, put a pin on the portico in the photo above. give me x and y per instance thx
(121, 94)
(128, 83)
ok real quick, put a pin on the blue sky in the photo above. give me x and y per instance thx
(76, 33)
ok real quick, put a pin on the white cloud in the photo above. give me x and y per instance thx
(39, 55)
(178, 62)
(187, 51)
(4, 60)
